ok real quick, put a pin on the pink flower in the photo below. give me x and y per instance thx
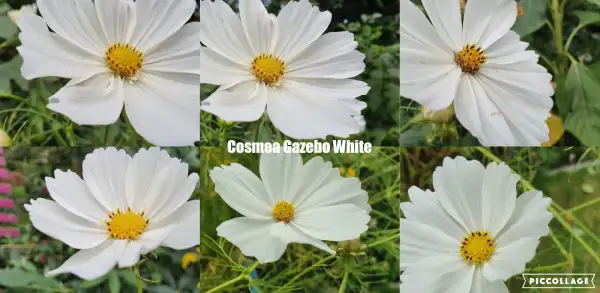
(7, 203)
(8, 218)
(9, 232)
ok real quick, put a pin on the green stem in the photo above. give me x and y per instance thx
(138, 281)
(305, 271)
(415, 120)
(244, 275)
(258, 126)
(384, 240)
(227, 284)
(557, 17)
(345, 279)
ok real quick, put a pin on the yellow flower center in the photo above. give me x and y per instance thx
(124, 59)
(268, 68)
(470, 59)
(477, 247)
(283, 211)
(126, 225)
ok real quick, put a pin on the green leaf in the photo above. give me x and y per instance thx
(17, 278)
(587, 17)
(583, 121)
(534, 18)
(114, 284)
(130, 278)
(597, 2)
(162, 289)
(94, 283)
(12, 70)
(7, 27)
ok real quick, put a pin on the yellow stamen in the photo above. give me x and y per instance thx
(283, 211)
(477, 247)
(124, 59)
(470, 59)
(126, 225)
(268, 68)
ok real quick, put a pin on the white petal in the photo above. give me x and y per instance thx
(419, 241)
(157, 20)
(335, 223)
(301, 112)
(184, 188)
(437, 273)
(507, 45)
(76, 21)
(218, 70)
(90, 264)
(314, 175)
(345, 90)
(244, 102)
(495, 113)
(221, 31)
(168, 189)
(104, 172)
(95, 101)
(164, 109)
(289, 233)
(487, 21)
(143, 174)
(55, 221)
(446, 18)
(181, 221)
(251, 183)
(299, 25)
(414, 25)
(326, 47)
(530, 218)
(332, 193)
(478, 114)
(253, 238)
(425, 208)
(510, 260)
(499, 193)
(279, 173)
(48, 54)
(341, 66)
(69, 191)
(178, 53)
(239, 194)
(131, 255)
(117, 18)
(186, 233)
(457, 186)
(257, 25)
(482, 285)
(431, 85)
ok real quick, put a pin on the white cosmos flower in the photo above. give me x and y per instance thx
(291, 203)
(122, 208)
(119, 52)
(282, 63)
(472, 232)
(500, 93)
